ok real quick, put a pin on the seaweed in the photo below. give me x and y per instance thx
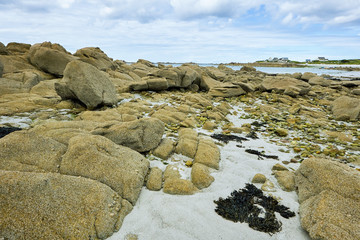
(243, 206)
(227, 138)
(7, 130)
(252, 135)
(260, 154)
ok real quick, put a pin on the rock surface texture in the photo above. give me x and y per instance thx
(54, 206)
(329, 199)
(87, 84)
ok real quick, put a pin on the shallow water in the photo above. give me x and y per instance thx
(314, 69)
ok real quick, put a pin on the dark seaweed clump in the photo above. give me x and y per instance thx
(227, 138)
(260, 154)
(7, 130)
(241, 206)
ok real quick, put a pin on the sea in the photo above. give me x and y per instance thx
(319, 69)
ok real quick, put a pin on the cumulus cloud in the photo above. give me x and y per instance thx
(326, 12)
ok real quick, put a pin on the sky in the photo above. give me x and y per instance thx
(201, 31)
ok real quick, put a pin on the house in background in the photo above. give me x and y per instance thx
(322, 59)
(308, 60)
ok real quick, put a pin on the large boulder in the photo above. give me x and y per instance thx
(96, 57)
(87, 84)
(98, 158)
(51, 58)
(27, 151)
(54, 206)
(346, 108)
(329, 199)
(282, 84)
(140, 135)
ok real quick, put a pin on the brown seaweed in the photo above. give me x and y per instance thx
(227, 138)
(243, 206)
(260, 154)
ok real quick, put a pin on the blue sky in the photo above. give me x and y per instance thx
(189, 30)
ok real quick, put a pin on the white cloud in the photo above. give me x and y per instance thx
(65, 3)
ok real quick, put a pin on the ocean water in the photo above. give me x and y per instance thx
(318, 69)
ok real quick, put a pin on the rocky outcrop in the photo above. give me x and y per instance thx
(54, 206)
(346, 108)
(51, 58)
(18, 48)
(30, 152)
(87, 84)
(96, 57)
(329, 199)
(140, 135)
(98, 158)
(280, 84)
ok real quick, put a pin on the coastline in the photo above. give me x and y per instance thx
(128, 150)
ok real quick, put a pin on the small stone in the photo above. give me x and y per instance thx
(154, 181)
(279, 167)
(189, 163)
(259, 178)
(281, 132)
